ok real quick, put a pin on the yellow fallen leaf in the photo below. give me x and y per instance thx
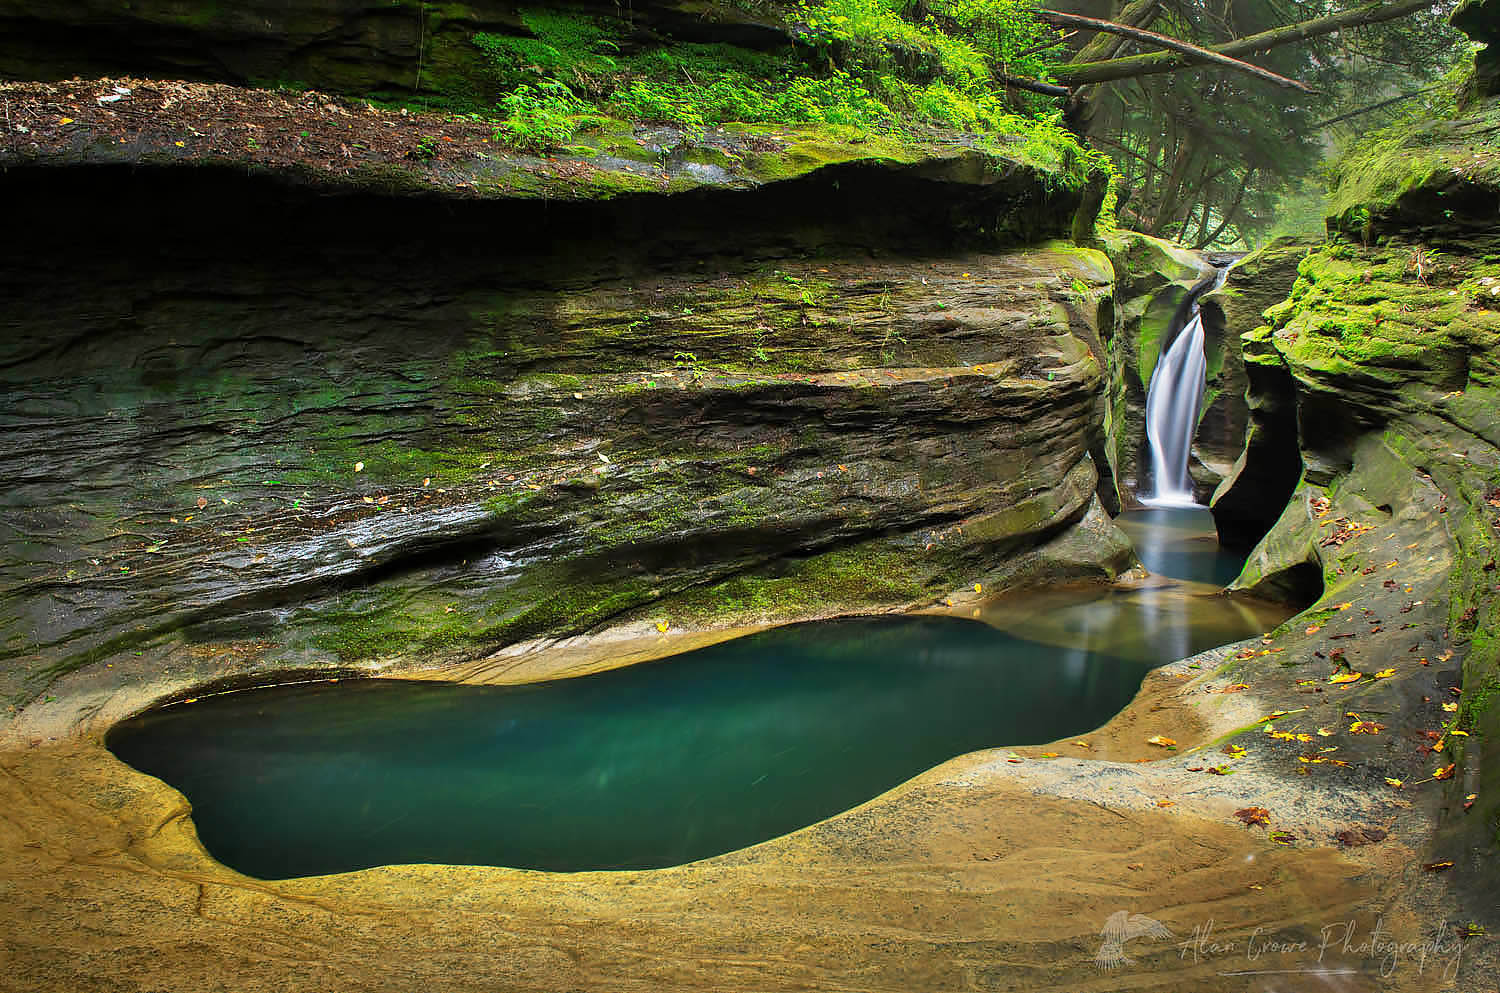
(179, 144)
(369, 499)
(1385, 673)
(1160, 741)
(1346, 677)
(978, 588)
(359, 467)
(1450, 707)
(1082, 744)
(1344, 606)
(1393, 782)
(662, 626)
(1313, 629)
(1049, 755)
(1325, 732)
(1443, 772)
(1461, 734)
(1166, 803)
(1366, 727)
(66, 120)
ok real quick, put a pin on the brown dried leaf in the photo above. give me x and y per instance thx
(1254, 816)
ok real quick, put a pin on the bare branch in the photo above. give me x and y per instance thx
(1137, 14)
(1034, 86)
(1377, 106)
(1075, 73)
(1175, 44)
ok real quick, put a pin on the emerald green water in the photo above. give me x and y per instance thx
(648, 766)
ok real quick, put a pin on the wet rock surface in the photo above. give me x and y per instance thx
(1156, 282)
(1389, 343)
(367, 430)
(1268, 465)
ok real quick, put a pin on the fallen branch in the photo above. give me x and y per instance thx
(1077, 73)
(1035, 86)
(1199, 53)
(1137, 14)
(1376, 106)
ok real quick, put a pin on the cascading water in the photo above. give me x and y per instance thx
(1172, 407)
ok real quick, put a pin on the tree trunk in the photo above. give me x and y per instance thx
(1229, 214)
(1198, 53)
(1075, 73)
(1163, 215)
(1138, 14)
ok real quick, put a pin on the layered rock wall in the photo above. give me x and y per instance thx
(398, 47)
(1388, 351)
(1267, 467)
(259, 428)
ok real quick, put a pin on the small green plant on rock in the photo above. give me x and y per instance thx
(541, 117)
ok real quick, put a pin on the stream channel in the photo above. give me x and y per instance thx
(687, 757)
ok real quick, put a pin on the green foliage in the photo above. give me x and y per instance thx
(963, 42)
(1213, 157)
(541, 117)
(876, 65)
(563, 45)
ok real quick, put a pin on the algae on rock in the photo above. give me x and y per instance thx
(374, 431)
(1389, 349)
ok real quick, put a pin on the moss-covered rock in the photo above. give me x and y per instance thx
(340, 46)
(380, 430)
(1268, 464)
(1480, 20)
(1390, 340)
(1432, 180)
(1156, 281)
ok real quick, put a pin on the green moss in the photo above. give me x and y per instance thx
(865, 576)
(575, 71)
(1429, 159)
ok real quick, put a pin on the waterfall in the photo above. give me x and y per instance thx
(1172, 407)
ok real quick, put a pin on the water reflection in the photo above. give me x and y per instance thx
(665, 762)
(1178, 611)
(651, 765)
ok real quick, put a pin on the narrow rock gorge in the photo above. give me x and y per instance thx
(327, 388)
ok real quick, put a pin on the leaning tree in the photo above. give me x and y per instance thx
(1214, 109)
